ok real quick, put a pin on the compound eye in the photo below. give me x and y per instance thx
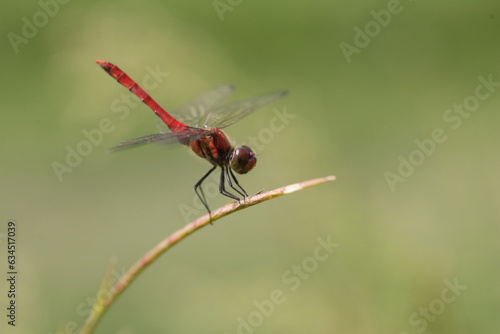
(242, 160)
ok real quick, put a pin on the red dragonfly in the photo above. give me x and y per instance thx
(204, 137)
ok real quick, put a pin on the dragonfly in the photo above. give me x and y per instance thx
(204, 136)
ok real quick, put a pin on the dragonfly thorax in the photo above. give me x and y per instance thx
(242, 160)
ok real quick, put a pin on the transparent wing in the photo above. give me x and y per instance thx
(231, 113)
(164, 138)
(196, 110)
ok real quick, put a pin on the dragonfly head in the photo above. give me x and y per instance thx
(242, 160)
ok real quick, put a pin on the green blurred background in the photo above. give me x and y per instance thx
(399, 249)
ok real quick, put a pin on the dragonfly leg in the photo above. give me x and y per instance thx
(237, 183)
(229, 174)
(199, 190)
(222, 188)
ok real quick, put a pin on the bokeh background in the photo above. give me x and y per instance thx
(400, 245)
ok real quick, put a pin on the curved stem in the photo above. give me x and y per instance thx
(102, 305)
